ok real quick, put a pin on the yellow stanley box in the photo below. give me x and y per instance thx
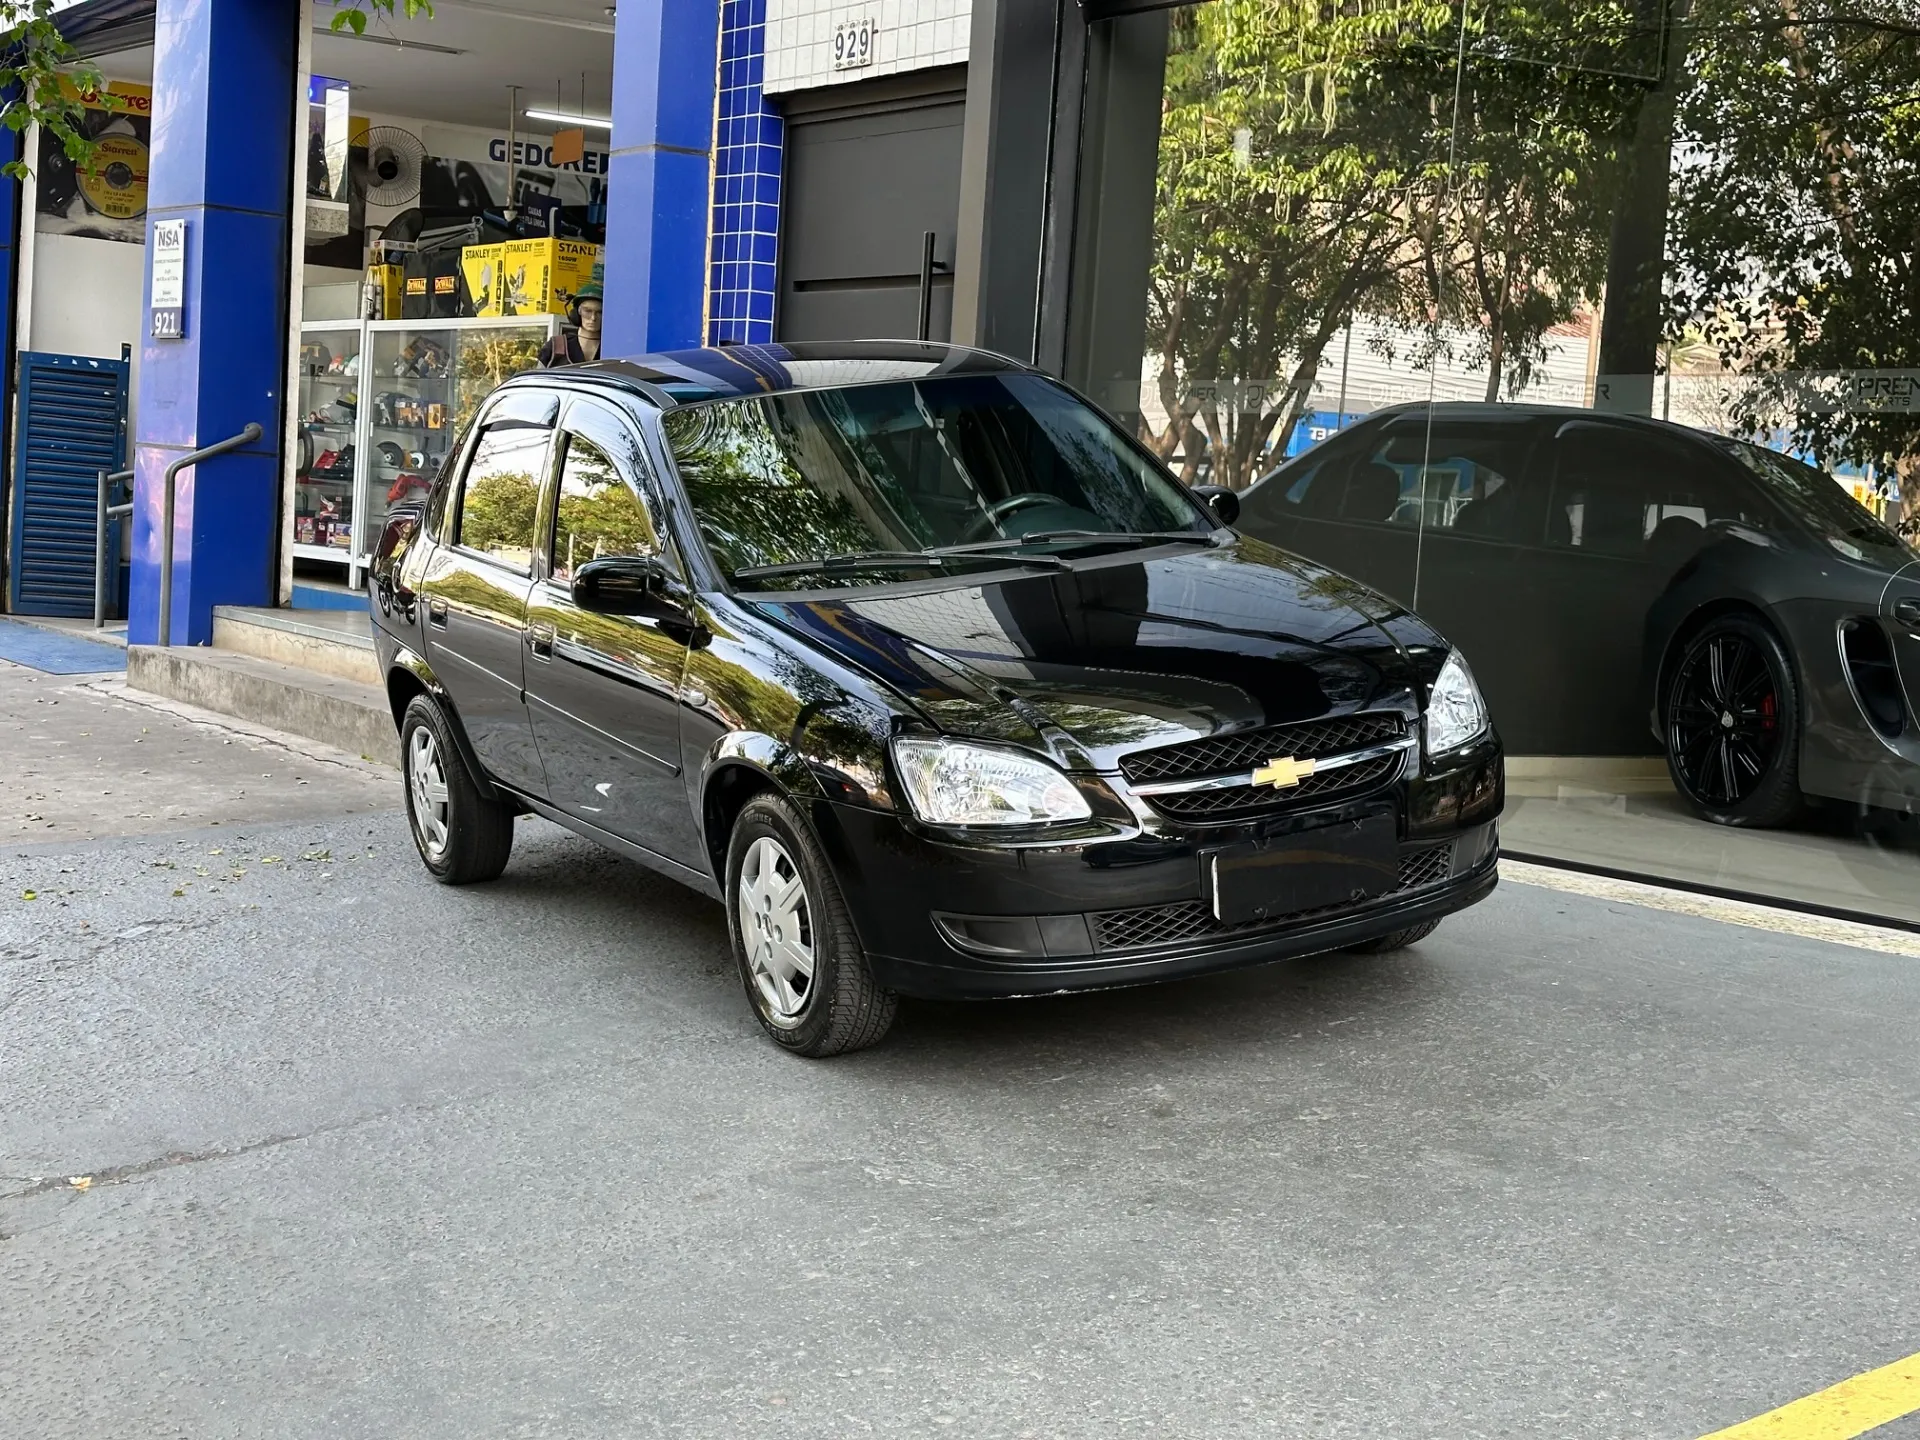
(548, 273)
(483, 271)
(383, 286)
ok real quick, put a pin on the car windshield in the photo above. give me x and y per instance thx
(1818, 501)
(890, 472)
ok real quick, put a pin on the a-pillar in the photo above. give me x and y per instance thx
(659, 184)
(221, 159)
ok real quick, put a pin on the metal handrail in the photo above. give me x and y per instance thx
(103, 513)
(193, 457)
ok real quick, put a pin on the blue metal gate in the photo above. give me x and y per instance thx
(71, 425)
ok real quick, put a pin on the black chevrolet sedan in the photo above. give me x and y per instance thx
(916, 661)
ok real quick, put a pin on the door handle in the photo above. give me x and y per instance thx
(540, 640)
(926, 285)
(437, 613)
(1907, 612)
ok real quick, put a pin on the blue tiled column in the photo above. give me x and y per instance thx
(746, 183)
(660, 181)
(221, 159)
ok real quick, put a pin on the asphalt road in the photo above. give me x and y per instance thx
(369, 1157)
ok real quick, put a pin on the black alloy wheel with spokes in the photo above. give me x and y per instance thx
(1732, 724)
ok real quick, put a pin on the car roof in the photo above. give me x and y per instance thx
(1518, 412)
(1483, 412)
(674, 378)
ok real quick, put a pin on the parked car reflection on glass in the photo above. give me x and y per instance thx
(1630, 587)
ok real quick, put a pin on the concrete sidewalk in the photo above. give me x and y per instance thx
(85, 758)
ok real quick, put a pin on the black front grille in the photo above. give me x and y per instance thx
(1157, 925)
(1346, 782)
(1230, 754)
(1225, 754)
(1426, 867)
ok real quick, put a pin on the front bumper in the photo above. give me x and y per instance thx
(957, 920)
(956, 975)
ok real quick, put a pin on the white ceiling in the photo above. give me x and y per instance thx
(529, 43)
(402, 68)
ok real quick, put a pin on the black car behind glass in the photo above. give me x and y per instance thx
(1631, 587)
(929, 672)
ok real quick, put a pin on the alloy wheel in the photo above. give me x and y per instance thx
(427, 788)
(776, 929)
(1723, 720)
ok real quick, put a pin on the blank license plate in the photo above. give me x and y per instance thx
(1335, 865)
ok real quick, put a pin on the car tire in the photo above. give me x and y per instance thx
(1730, 724)
(805, 972)
(1396, 940)
(462, 836)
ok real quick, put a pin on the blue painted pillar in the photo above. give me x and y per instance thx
(221, 159)
(11, 219)
(659, 184)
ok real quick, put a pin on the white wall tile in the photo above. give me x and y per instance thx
(914, 34)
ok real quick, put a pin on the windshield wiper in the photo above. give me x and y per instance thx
(890, 560)
(1080, 537)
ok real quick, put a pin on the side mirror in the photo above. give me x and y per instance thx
(1224, 503)
(628, 585)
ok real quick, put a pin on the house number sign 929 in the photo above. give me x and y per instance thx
(854, 43)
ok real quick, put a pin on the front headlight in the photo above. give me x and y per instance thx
(952, 782)
(1455, 711)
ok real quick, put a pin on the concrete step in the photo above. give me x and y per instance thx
(328, 642)
(351, 715)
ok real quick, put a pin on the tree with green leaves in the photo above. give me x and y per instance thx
(43, 79)
(497, 510)
(354, 14)
(1442, 168)
(1794, 242)
(1283, 202)
(1541, 108)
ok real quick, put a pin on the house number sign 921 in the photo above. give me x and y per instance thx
(854, 43)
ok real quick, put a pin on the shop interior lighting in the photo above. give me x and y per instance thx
(393, 42)
(560, 117)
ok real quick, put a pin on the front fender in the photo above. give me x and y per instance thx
(765, 755)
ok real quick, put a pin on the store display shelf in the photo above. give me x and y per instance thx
(321, 552)
(403, 371)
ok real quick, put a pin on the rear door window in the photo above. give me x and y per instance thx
(1457, 478)
(1468, 480)
(500, 498)
(1632, 495)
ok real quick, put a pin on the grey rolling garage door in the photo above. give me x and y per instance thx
(870, 168)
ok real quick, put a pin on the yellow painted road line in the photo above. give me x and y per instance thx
(1853, 1407)
(1713, 907)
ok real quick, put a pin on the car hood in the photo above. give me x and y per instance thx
(1121, 652)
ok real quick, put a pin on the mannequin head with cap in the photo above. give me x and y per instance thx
(585, 315)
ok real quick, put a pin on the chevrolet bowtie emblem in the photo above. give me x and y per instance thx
(1283, 774)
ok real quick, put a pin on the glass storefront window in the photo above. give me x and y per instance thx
(1573, 325)
(425, 383)
(329, 400)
